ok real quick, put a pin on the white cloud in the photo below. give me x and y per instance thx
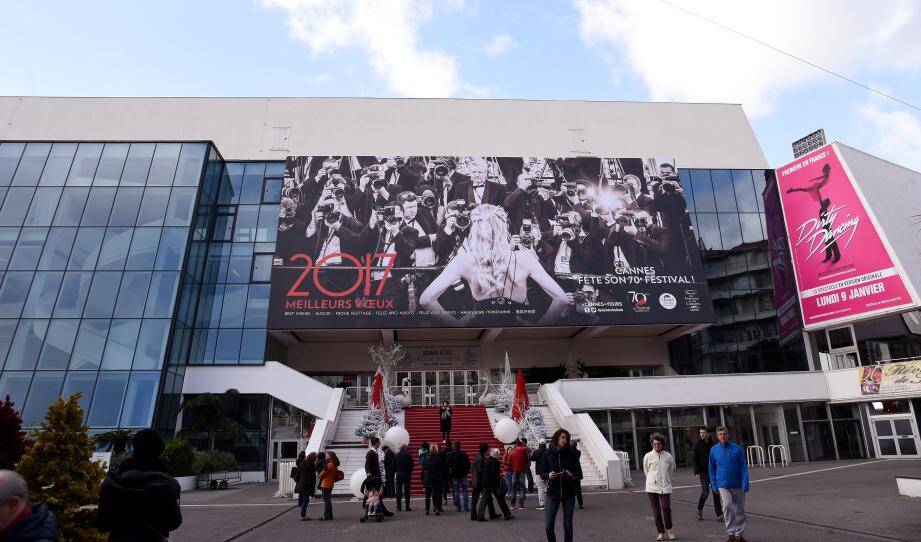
(893, 134)
(499, 44)
(387, 33)
(680, 57)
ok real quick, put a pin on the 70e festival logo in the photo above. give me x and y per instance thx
(367, 274)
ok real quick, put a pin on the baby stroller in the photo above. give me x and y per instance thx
(371, 488)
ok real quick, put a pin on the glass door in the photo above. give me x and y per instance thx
(896, 437)
(445, 389)
(282, 450)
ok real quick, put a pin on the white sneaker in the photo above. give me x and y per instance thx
(672, 535)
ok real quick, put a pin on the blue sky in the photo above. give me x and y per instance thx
(553, 49)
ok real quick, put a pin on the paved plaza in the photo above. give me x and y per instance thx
(841, 501)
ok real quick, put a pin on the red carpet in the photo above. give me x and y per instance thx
(470, 425)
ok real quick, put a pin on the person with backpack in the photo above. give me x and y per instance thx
(304, 474)
(460, 468)
(328, 478)
(560, 470)
(423, 453)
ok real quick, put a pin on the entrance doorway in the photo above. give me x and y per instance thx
(431, 388)
(895, 431)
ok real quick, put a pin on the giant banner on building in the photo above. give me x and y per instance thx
(425, 241)
(844, 269)
(898, 377)
(789, 321)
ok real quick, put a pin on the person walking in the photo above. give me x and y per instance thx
(328, 477)
(560, 469)
(444, 415)
(423, 453)
(536, 457)
(433, 479)
(729, 476)
(305, 481)
(389, 473)
(140, 501)
(403, 472)
(527, 471)
(505, 468)
(490, 478)
(21, 520)
(477, 483)
(578, 481)
(376, 448)
(460, 468)
(518, 461)
(659, 466)
(700, 461)
(447, 460)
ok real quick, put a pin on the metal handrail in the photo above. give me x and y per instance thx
(783, 455)
(750, 453)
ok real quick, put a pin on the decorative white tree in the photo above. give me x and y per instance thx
(505, 390)
(532, 426)
(386, 358)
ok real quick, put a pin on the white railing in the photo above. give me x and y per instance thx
(584, 427)
(753, 451)
(625, 468)
(285, 482)
(783, 455)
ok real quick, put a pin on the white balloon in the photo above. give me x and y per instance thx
(358, 478)
(506, 430)
(395, 437)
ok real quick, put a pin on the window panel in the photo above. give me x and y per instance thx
(172, 249)
(247, 220)
(257, 306)
(151, 344)
(153, 206)
(31, 164)
(723, 191)
(253, 179)
(91, 340)
(275, 169)
(181, 206)
(731, 230)
(232, 184)
(209, 310)
(268, 224)
(127, 204)
(59, 343)
(684, 178)
(228, 346)
(46, 386)
(86, 249)
(28, 248)
(82, 383)
(746, 197)
(751, 227)
(8, 237)
(111, 164)
(190, 164)
(162, 294)
(58, 164)
(120, 344)
(132, 294)
(7, 330)
(143, 250)
(271, 192)
(163, 165)
(99, 206)
(708, 230)
(262, 267)
(42, 295)
(57, 248)
(73, 200)
(103, 292)
(140, 399)
(9, 160)
(72, 297)
(13, 292)
(233, 305)
(114, 250)
(252, 351)
(16, 385)
(85, 163)
(758, 177)
(138, 164)
(44, 204)
(703, 191)
(16, 205)
(217, 263)
(241, 262)
(107, 400)
(26, 346)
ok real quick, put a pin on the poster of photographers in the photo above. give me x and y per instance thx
(441, 241)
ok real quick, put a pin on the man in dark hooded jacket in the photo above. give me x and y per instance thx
(141, 501)
(21, 520)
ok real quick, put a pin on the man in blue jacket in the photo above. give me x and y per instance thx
(729, 476)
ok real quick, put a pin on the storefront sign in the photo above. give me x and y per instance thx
(421, 241)
(789, 321)
(440, 357)
(844, 269)
(899, 377)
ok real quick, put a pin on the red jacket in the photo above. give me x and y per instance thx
(519, 459)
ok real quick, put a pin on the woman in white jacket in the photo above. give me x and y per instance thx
(659, 466)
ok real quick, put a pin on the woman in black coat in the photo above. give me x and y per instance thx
(433, 468)
(444, 415)
(306, 482)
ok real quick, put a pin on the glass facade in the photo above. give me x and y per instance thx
(93, 240)
(727, 213)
